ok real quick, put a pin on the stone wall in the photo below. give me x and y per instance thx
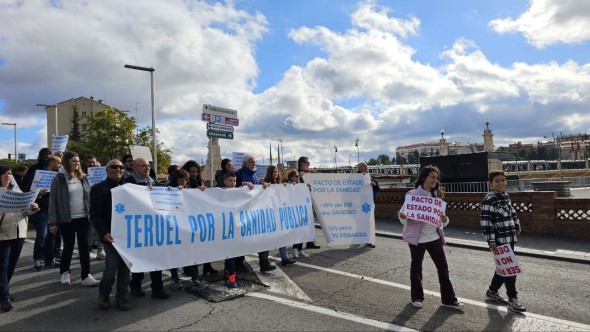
(539, 211)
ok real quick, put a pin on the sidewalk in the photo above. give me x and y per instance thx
(568, 249)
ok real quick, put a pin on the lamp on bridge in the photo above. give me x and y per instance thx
(356, 143)
(335, 162)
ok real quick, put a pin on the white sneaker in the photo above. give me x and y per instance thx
(101, 255)
(417, 304)
(89, 281)
(65, 278)
(294, 254)
(302, 253)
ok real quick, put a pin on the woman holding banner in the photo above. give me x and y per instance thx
(422, 236)
(13, 231)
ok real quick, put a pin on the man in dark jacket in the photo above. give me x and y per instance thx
(247, 174)
(100, 217)
(141, 176)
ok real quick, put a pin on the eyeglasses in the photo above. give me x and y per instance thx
(116, 167)
(129, 161)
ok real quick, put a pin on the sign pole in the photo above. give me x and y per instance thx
(211, 162)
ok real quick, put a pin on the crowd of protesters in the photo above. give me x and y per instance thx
(76, 212)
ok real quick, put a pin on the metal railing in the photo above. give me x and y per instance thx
(513, 185)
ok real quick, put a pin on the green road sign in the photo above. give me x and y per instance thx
(220, 134)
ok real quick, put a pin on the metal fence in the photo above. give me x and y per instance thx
(513, 185)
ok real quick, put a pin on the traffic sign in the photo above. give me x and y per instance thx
(220, 119)
(220, 134)
(215, 110)
(220, 127)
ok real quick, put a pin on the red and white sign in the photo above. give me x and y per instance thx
(425, 209)
(506, 263)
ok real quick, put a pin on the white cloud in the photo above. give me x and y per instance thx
(548, 22)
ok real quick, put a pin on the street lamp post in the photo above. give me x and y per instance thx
(356, 143)
(151, 71)
(13, 124)
(349, 163)
(55, 106)
(335, 162)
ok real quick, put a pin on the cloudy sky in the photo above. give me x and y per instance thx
(316, 73)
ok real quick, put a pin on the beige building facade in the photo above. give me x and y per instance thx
(65, 111)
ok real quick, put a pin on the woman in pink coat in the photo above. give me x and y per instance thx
(422, 237)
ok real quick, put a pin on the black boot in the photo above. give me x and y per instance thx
(208, 269)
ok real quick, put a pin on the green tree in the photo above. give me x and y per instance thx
(372, 161)
(383, 159)
(75, 134)
(144, 138)
(401, 160)
(107, 136)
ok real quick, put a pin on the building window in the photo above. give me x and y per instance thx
(83, 115)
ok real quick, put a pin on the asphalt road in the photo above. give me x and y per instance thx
(353, 289)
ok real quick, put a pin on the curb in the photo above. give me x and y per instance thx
(466, 244)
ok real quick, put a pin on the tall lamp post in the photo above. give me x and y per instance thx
(54, 106)
(356, 143)
(151, 71)
(12, 124)
(335, 162)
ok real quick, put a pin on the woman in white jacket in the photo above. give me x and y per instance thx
(13, 231)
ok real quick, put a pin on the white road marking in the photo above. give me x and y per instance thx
(332, 313)
(527, 322)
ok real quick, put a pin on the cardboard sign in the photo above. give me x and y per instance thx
(425, 209)
(506, 263)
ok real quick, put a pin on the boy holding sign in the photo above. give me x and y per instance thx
(500, 226)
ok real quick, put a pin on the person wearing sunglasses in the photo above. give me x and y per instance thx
(100, 217)
(141, 176)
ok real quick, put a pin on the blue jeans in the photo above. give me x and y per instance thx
(9, 254)
(41, 229)
(114, 268)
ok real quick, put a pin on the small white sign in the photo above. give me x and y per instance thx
(42, 179)
(141, 152)
(216, 110)
(59, 143)
(220, 127)
(425, 209)
(167, 199)
(16, 201)
(96, 174)
(506, 263)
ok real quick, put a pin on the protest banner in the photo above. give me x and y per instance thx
(505, 260)
(425, 209)
(344, 206)
(214, 225)
(96, 174)
(59, 143)
(16, 201)
(42, 179)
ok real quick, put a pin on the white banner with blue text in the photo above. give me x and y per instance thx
(204, 226)
(344, 205)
